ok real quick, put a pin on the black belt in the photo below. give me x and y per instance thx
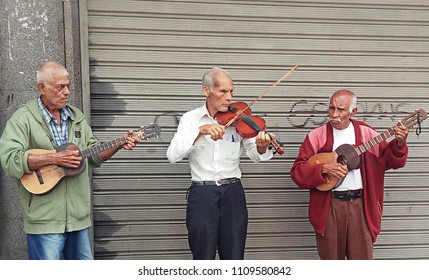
(347, 195)
(219, 182)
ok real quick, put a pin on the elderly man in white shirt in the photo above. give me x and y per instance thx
(216, 216)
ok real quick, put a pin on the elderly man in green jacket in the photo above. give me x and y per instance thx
(56, 218)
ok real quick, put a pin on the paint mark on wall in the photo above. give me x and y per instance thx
(366, 110)
(9, 100)
(307, 114)
(32, 17)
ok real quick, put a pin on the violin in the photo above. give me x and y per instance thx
(240, 116)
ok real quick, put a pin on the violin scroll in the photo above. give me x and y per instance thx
(278, 147)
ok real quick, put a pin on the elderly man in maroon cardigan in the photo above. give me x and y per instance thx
(347, 218)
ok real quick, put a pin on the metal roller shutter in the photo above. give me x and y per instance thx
(146, 61)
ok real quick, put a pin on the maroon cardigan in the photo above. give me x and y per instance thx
(375, 162)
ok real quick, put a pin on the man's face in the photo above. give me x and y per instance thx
(220, 96)
(339, 110)
(55, 93)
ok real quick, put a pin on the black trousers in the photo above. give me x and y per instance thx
(216, 219)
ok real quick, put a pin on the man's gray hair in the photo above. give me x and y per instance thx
(353, 104)
(209, 76)
(43, 75)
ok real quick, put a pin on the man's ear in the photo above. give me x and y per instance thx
(206, 91)
(41, 87)
(353, 113)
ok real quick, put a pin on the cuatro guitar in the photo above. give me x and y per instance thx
(46, 178)
(350, 155)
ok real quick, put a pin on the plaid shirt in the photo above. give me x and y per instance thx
(60, 133)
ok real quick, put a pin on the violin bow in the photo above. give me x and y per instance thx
(261, 95)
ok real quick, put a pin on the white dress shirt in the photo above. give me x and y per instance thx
(353, 179)
(211, 160)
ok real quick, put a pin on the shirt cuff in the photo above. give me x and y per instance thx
(267, 155)
(25, 162)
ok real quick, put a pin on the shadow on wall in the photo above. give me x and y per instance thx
(103, 120)
(122, 198)
(105, 230)
(127, 198)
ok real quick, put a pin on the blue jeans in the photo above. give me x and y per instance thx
(73, 245)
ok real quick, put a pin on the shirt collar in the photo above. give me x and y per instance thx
(203, 112)
(65, 114)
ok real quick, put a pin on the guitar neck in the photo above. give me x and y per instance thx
(144, 133)
(375, 141)
(103, 147)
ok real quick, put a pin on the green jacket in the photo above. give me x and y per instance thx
(67, 206)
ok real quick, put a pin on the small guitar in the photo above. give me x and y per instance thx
(350, 155)
(46, 178)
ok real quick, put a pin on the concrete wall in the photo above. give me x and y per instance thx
(31, 32)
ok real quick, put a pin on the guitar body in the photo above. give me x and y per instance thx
(47, 177)
(345, 154)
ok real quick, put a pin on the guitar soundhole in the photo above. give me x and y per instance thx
(347, 155)
(342, 159)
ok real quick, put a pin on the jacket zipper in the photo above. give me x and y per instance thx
(29, 202)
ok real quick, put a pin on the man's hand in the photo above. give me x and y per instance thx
(335, 169)
(216, 131)
(131, 140)
(401, 133)
(263, 140)
(68, 158)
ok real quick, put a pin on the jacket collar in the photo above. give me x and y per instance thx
(35, 110)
